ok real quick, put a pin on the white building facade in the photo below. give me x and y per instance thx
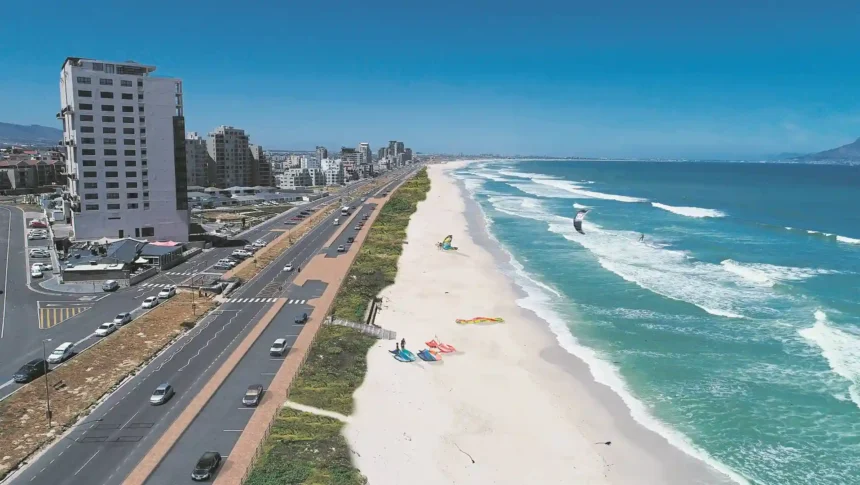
(124, 132)
(230, 150)
(198, 161)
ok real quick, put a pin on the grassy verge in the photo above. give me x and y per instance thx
(307, 449)
(80, 383)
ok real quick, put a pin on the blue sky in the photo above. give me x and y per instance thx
(612, 78)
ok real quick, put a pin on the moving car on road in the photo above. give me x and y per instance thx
(341, 249)
(106, 329)
(122, 318)
(350, 240)
(150, 302)
(278, 347)
(303, 318)
(168, 292)
(31, 370)
(61, 353)
(288, 267)
(161, 394)
(357, 227)
(206, 466)
(253, 395)
(110, 285)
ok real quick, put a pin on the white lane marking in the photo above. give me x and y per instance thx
(6, 279)
(129, 419)
(7, 383)
(233, 430)
(88, 462)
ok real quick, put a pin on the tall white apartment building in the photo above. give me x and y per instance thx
(124, 133)
(198, 162)
(230, 149)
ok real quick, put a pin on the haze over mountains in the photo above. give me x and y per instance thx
(845, 153)
(12, 134)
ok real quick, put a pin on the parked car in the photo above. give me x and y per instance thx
(106, 329)
(42, 266)
(36, 272)
(290, 223)
(168, 292)
(150, 302)
(302, 319)
(251, 248)
(37, 223)
(241, 253)
(253, 395)
(122, 318)
(365, 217)
(161, 394)
(260, 243)
(288, 267)
(39, 235)
(109, 285)
(61, 353)
(31, 370)
(206, 466)
(341, 249)
(278, 347)
(350, 239)
(220, 265)
(216, 288)
(39, 253)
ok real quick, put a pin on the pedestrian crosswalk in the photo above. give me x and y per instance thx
(263, 300)
(156, 285)
(181, 273)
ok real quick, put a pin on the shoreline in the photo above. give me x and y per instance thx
(433, 418)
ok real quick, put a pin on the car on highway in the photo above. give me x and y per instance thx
(253, 395)
(365, 217)
(150, 302)
(350, 240)
(122, 318)
(109, 285)
(291, 223)
(36, 272)
(61, 353)
(161, 394)
(337, 222)
(166, 293)
(341, 249)
(288, 267)
(206, 466)
(278, 347)
(39, 253)
(357, 227)
(31, 370)
(302, 319)
(106, 329)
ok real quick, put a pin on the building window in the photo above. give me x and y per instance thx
(89, 163)
(113, 207)
(91, 185)
(143, 152)
(125, 83)
(88, 151)
(84, 80)
(131, 174)
(110, 152)
(143, 131)
(143, 143)
(140, 83)
(113, 195)
(131, 195)
(130, 153)
(84, 93)
(131, 185)
(98, 66)
(85, 106)
(91, 196)
(128, 119)
(92, 207)
(110, 141)
(108, 119)
(88, 141)
(143, 162)
(140, 108)
(127, 96)
(145, 184)
(143, 119)
(107, 107)
(86, 117)
(112, 185)
(146, 173)
(108, 130)
(128, 109)
(146, 206)
(140, 97)
(131, 163)
(106, 95)
(110, 163)
(128, 141)
(111, 174)
(109, 68)
(132, 206)
(146, 195)
(87, 129)
(147, 231)
(106, 82)
(128, 131)
(89, 175)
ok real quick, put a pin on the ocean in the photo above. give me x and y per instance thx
(733, 328)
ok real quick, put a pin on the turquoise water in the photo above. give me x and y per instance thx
(733, 328)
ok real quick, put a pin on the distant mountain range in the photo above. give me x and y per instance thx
(845, 153)
(12, 134)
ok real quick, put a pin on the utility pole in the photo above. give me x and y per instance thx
(47, 387)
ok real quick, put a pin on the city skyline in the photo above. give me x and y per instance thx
(569, 80)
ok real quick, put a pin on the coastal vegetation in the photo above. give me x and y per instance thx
(304, 448)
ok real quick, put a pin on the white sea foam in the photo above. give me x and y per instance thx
(849, 240)
(541, 303)
(769, 274)
(841, 349)
(492, 175)
(689, 211)
(579, 192)
(543, 191)
(525, 175)
(580, 206)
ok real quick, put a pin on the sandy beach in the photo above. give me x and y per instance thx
(512, 407)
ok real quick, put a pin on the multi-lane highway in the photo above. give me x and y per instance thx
(120, 431)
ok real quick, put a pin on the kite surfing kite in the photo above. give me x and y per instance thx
(446, 244)
(463, 321)
(577, 221)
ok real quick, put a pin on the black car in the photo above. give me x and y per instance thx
(253, 395)
(302, 319)
(31, 370)
(206, 466)
(350, 239)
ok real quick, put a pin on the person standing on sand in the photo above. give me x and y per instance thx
(396, 349)
(403, 344)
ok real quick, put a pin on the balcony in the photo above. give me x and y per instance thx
(69, 138)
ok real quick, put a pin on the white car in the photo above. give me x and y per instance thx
(341, 248)
(42, 266)
(226, 262)
(168, 292)
(105, 329)
(61, 353)
(39, 253)
(260, 243)
(122, 318)
(241, 253)
(36, 272)
(150, 302)
(288, 267)
(278, 347)
(38, 235)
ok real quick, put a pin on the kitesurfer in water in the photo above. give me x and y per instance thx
(641, 237)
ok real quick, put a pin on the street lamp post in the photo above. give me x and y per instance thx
(47, 387)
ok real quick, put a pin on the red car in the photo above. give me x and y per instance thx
(38, 223)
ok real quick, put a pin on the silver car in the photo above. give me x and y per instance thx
(161, 394)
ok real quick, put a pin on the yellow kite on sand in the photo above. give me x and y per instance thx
(462, 321)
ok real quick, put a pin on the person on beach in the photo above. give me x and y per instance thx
(641, 237)
(403, 344)
(396, 348)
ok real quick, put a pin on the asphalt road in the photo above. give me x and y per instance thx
(120, 431)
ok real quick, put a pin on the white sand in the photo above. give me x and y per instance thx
(525, 410)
